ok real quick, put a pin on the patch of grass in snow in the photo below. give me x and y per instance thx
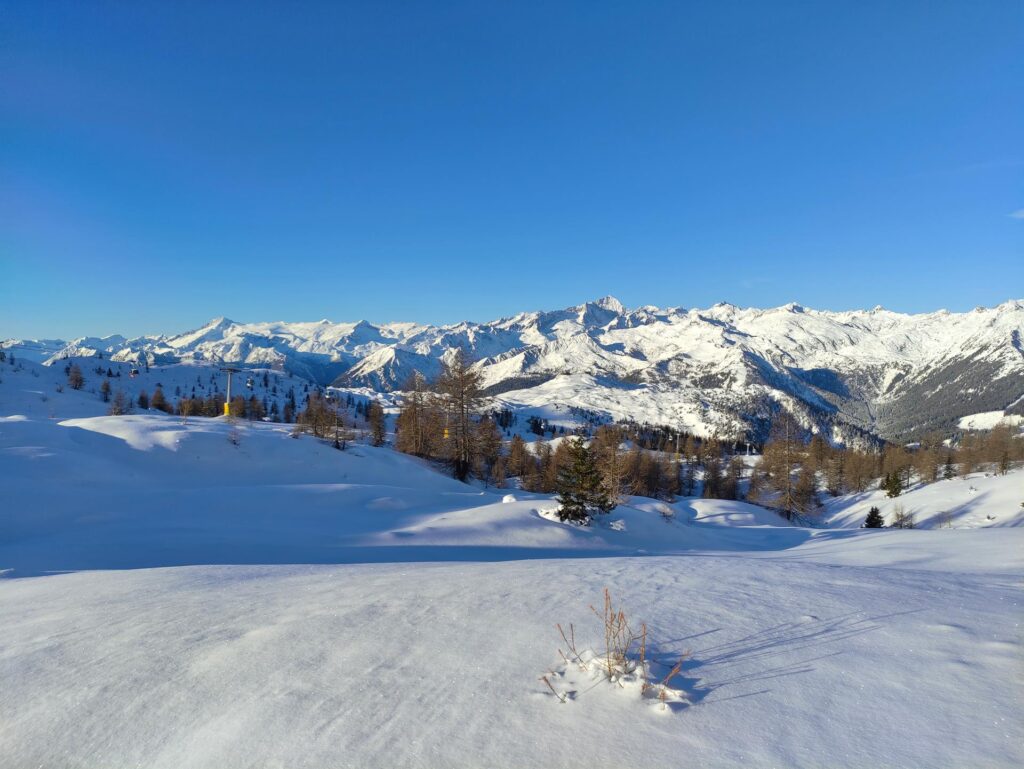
(623, 661)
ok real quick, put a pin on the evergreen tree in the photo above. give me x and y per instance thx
(580, 492)
(949, 469)
(892, 485)
(874, 519)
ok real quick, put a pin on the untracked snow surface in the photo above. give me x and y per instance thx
(981, 500)
(175, 600)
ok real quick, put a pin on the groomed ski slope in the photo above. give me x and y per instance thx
(175, 600)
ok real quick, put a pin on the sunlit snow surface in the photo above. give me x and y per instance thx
(280, 603)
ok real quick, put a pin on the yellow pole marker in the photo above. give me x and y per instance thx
(227, 403)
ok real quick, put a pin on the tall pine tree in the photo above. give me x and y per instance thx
(580, 491)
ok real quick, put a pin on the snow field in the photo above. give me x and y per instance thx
(425, 665)
(981, 500)
(281, 603)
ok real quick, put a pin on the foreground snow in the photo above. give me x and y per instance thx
(793, 664)
(280, 603)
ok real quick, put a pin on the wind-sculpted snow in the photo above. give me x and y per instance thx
(723, 369)
(177, 599)
(154, 490)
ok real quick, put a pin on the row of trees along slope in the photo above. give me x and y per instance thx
(445, 422)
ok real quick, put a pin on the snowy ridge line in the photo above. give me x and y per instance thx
(722, 369)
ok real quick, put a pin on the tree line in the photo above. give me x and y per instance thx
(445, 421)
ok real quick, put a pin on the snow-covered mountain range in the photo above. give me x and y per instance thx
(723, 369)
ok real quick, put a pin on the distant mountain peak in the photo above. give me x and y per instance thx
(217, 323)
(850, 374)
(609, 303)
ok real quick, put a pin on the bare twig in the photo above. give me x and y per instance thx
(571, 643)
(561, 697)
(643, 659)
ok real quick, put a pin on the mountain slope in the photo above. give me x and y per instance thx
(724, 369)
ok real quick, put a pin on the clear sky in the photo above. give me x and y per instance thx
(164, 163)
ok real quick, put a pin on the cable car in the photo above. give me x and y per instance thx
(133, 373)
(249, 383)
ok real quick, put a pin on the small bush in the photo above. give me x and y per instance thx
(623, 659)
(901, 519)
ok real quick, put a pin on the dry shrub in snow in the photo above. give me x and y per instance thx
(623, 660)
(901, 519)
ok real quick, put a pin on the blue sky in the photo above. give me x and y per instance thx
(164, 163)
